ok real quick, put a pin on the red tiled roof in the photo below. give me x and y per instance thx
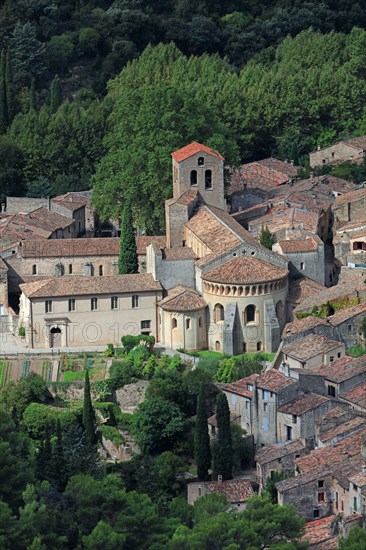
(303, 404)
(319, 534)
(192, 149)
(182, 298)
(236, 491)
(245, 270)
(356, 395)
(240, 387)
(87, 286)
(343, 369)
(301, 245)
(309, 346)
(343, 315)
(179, 253)
(272, 380)
(302, 325)
(356, 142)
(185, 198)
(303, 288)
(352, 425)
(352, 196)
(268, 453)
(143, 241)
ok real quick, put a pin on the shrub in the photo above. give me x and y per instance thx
(37, 416)
(21, 331)
(112, 434)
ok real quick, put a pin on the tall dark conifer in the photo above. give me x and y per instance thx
(58, 459)
(88, 412)
(202, 450)
(127, 262)
(223, 451)
(3, 103)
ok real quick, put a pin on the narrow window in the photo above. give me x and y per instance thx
(302, 265)
(289, 433)
(331, 391)
(219, 313)
(259, 346)
(135, 301)
(145, 327)
(316, 514)
(48, 306)
(174, 323)
(265, 395)
(249, 314)
(339, 354)
(114, 302)
(217, 345)
(188, 324)
(193, 177)
(294, 419)
(72, 304)
(94, 304)
(331, 358)
(320, 483)
(200, 321)
(321, 497)
(100, 270)
(201, 161)
(70, 269)
(208, 179)
(265, 407)
(34, 269)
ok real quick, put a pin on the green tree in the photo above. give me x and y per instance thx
(222, 451)
(127, 261)
(356, 540)
(40, 188)
(16, 396)
(28, 54)
(157, 424)
(32, 96)
(3, 99)
(88, 412)
(265, 237)
(60, 50)
(16, 466)
(202, 450)
(55, 94)
(9, 530)
(12, 162)
(58, 461)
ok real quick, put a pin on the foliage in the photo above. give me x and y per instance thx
(222, 448)
(265, 237)
(127, 261)
(243, 448)
(88, 412)
(112, 434)
(202, 451)
(11, 168)
(37, 418)
(233, 368)
(157, 424)
(357, 350)
(16, 396)
(15, 462)
(270, 486)
(356, 540)
(21, 331)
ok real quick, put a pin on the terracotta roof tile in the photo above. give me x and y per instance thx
(274, 381)
(267, 173)
(303, 404)
(301, 325)
(268, 453)
(179, 253)
(352, 196)
(357, 142)
(86, 286)
(303, 288)
(286, 218)
(301, 245)
(50, 221)
(309, 346)
(185, 198)
(343, 315)
(341, 290)
(245, 270)
(319, 534)
(240, 387)
(192, 149)
(236, 491)
(182, 298)
(343, 369)
(352, 425)
(356, 395)
(144, 240)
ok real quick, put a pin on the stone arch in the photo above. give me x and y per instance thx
(217, 346)
(193, 177)
(247, 290)
(174, 322)
(227, 290)
(250, 314)
(219, 313)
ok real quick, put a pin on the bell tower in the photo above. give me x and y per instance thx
(196, 166)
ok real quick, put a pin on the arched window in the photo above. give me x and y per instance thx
(193, 177)
(219, 313)
(259, 346)
(217, 345)
(250, 314)
(208, 179)
(174, 323)
(201, 161)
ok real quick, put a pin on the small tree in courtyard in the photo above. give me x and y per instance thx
(265, 237)
(127, 262)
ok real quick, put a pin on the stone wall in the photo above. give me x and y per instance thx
(335, 154)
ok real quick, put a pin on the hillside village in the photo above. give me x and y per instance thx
(210, 284)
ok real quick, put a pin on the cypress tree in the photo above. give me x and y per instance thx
(202, 451)
(88, 412)
(44, 456)
(127, 261)
(9, 87)
(55, 92)
(3, 104)
(223, 451)
(32, 96)
(265, 237)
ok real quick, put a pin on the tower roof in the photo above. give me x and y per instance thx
(193, 148)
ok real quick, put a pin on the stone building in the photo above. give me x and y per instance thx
(352, 150)
(350, 244)
(76, 311)
(349, 207)
(237, 491)
(305, 253)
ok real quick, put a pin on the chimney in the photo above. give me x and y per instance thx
(219, 479)
(292, 162)
(319, 147)
(49, 204)
(311, 175)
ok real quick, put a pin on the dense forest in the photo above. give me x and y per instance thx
(100, 93)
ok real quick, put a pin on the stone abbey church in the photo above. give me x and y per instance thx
(209, 285)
